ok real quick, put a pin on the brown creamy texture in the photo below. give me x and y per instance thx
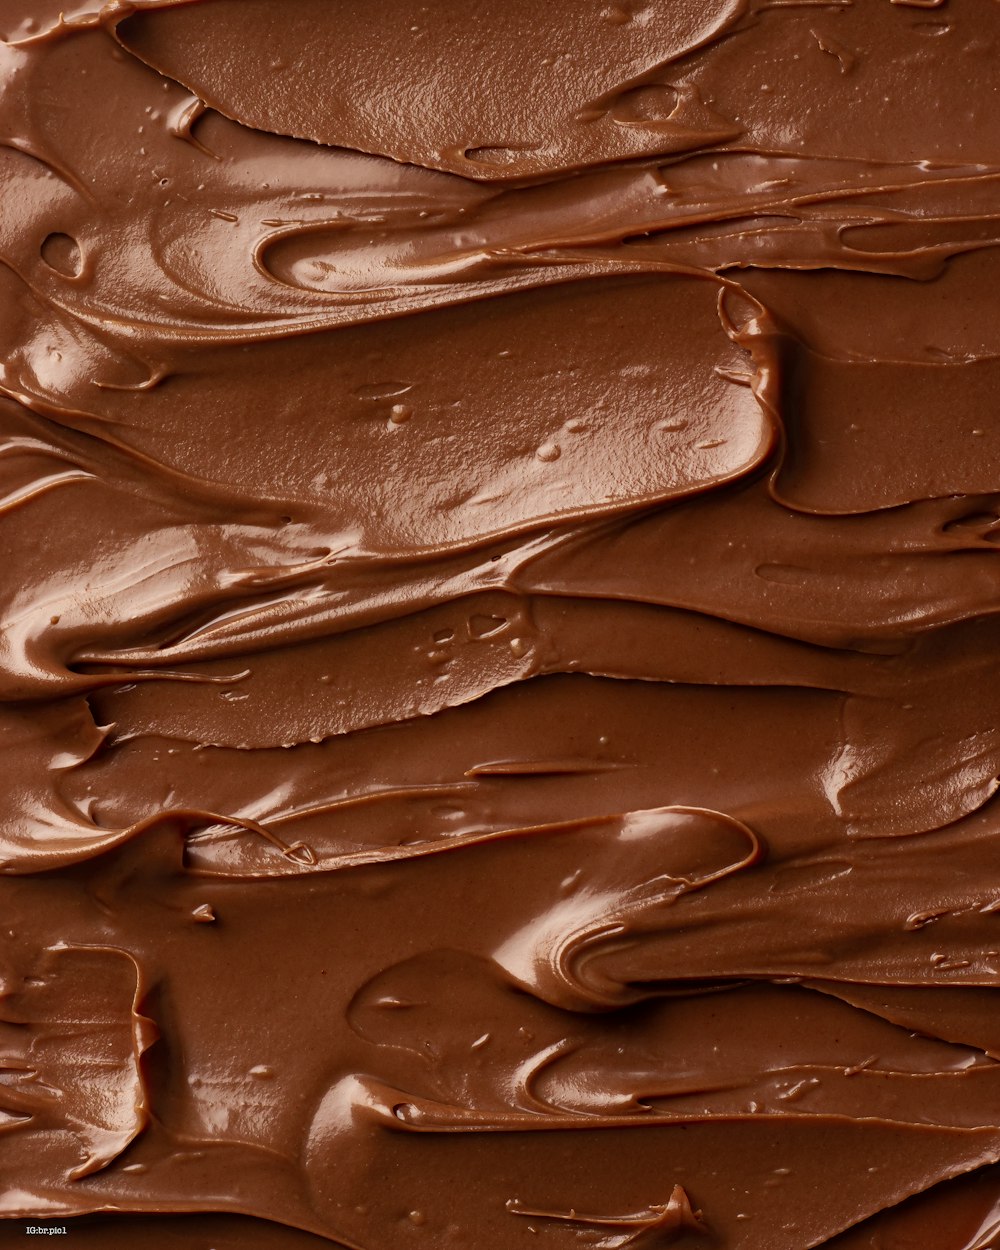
(500, 511)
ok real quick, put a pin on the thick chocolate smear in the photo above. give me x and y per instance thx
(500, 509)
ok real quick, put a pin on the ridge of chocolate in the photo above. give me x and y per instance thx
(500, 510)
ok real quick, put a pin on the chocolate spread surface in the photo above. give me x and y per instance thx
(500, 508)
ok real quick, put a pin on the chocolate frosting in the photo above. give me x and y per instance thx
(500, 508)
